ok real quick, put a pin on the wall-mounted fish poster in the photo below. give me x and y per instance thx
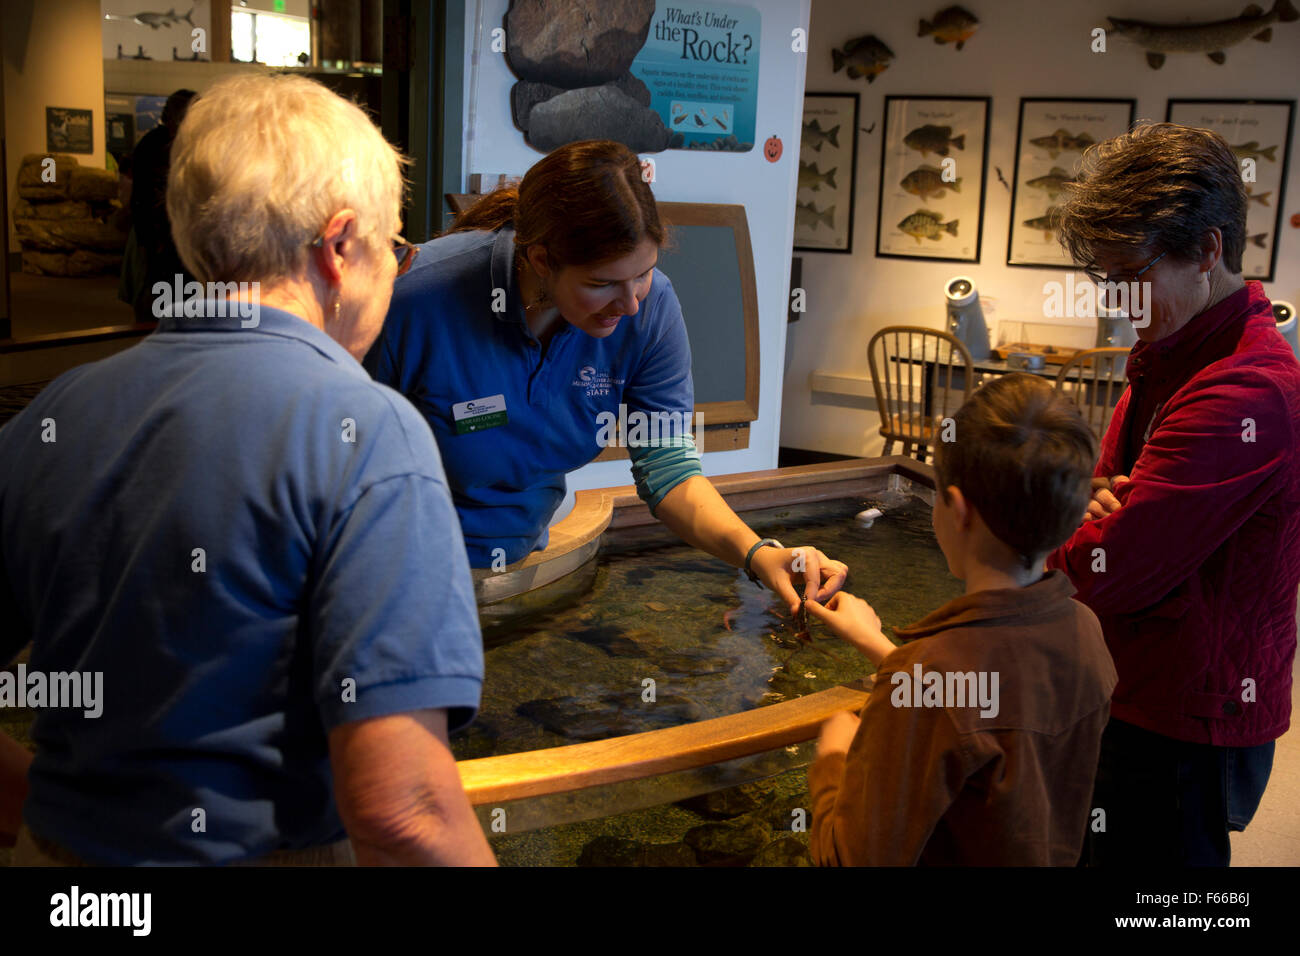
(828, 173)
(1050, 141)
(1259, 132)
(933, 157)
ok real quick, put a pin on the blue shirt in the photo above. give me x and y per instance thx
(324, 561)
(443, 344)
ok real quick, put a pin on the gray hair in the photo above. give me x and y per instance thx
(260, 165)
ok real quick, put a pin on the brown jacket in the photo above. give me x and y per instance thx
(929, 780)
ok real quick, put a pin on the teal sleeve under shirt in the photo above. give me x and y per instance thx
(658, 469)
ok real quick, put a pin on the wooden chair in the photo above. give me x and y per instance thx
(907, 360)
(1099, 384)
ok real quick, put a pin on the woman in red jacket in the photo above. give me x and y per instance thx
(1190, 552)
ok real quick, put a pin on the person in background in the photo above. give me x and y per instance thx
(995, 768)
(236, 528)
(540, 314)
(153, 232)
(1190, 551)
(131, 281)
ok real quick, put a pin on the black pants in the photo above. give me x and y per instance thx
(1170, 803)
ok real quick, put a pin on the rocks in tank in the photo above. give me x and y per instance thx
(617, 851)
(729, 843)
(611, 715)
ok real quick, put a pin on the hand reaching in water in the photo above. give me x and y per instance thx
(855, 621)
(818, 576)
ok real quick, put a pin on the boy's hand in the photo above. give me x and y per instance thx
(855, 621)
(838, 733)
(1104, 501)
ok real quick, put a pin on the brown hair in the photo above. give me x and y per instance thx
(1023, 456)
(1159, 187)
(584, 202)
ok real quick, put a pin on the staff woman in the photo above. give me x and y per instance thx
(540, 310)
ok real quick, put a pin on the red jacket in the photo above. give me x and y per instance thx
(1197, 598)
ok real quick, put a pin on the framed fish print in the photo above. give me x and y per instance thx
(828, 173)
(1259, 132)
(933, 156)
(1050, 141)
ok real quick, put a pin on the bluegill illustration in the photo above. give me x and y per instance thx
(924, 224)
(927, 181)
(934, 139)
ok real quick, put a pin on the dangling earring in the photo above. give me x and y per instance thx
(543, 297)
(338, 306)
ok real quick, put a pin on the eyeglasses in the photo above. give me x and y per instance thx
(403, 250)
(1100, 279)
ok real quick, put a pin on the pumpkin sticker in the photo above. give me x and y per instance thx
(772, 149)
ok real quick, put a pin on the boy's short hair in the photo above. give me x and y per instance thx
(1023, 456)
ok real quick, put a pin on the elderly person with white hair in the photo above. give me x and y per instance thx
(246, 542)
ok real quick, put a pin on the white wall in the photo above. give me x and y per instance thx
(1022, 48)
(765, 189)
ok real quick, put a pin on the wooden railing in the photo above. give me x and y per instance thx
(536, 773)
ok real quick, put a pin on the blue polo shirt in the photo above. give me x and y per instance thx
(253, 542)
(456, 333)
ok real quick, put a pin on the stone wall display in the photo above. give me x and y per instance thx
(573, 63)
(650, 76)
(596, 112)
(68, 219)
(578, 43)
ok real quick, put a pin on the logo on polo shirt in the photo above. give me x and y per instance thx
(595, 383)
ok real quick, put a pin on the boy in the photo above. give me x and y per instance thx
(979, 744)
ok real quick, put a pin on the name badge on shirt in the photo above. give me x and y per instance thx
(479, 414)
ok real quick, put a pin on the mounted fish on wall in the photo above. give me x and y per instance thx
(1210, 38)
(863, 56)
(953, 25)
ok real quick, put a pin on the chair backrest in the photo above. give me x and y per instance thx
(1096, 384)
(911, 408)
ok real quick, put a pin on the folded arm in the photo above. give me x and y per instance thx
(1212, 463)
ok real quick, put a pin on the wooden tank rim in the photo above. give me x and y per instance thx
(575, 539)
(553, 770)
